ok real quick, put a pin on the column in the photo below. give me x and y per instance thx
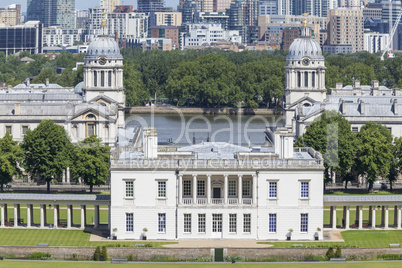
(209, 189)
(82, 217)
(399, 218)
(254, 189)
(347, 218)
(240, 194)
(2, 215)
(29, 219)
(386, 218)
(382, 215)
(42, 216)
(15, 215)
(373, 218)
(63, 179)
(55, 216)
(96, 225)
(225, 191)
(360, 217)
(180, 189)
(68, 174)
(69, 218)
(194, 189)
(333, 217)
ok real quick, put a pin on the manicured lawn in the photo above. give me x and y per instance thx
(371, 238)
(50, 264)
(25, 237)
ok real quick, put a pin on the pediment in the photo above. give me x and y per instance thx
(303, 101)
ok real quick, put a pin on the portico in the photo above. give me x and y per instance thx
(43, 203)
(366, 209)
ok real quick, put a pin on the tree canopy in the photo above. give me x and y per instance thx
(11, 155)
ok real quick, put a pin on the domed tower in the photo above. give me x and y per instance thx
(305, 74)
(103, 69)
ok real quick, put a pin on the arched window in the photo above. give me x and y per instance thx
(90, 127)
(95, 79)
(306, 104)
(306, 79)
(90, 117)
(313, 79)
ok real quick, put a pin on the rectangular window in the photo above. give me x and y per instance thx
(272, 189)
(246, 188)
(303, 222)
(187, 188)
(109, 79)
(129, 188)
(355, 129)
(272, 223)
(24, 130)
(95, 79)
(129, 222)
(216, 223)
(161, 222)
(201, 188)
(187, 223)
(313, 79)
(298, 79)
(232, 188)
(304, 189)
(246, 223)
(102, 78)
(201, 223)
(306, 79)
(232, 223)
(9, 130)
(162, 189)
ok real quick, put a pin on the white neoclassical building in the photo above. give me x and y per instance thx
(95, 106)
(217, 191)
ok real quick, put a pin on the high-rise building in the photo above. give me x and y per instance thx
(25, 37)
(243, 17)
(81, 19)
(393, 9)
(52, 12)
(221, 5)
(345, 27)
(10, 15)
(167, 32)
(355, 4)
(130, 25)
(168, 18)
(147, 6)
(268, 7)
(313, 7)
(109, 5)
(285, 7)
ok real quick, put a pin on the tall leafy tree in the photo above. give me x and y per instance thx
(11, 155)
(331, 135)
(47, 151)
(374, 155)
(396, 164)
(91, 161)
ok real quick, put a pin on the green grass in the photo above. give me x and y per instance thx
(78, 238)
(370, 238)
(50, 264)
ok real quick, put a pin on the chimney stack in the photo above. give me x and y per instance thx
(361, 107)
(150, 142)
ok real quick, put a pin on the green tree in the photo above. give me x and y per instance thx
(46, 74)
(331, 135)
(91, 161)
(396, 163)
(136, 94)
(97, 254)
(11, 155)
(47, 151)
(103, 256)
(374, 155)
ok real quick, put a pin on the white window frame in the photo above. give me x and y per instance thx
(304, 223)
(217, 223)
(202, 223)
(232, 223)
(246, 191)
(187, 187)
(302, 189)
(201, 188)
(161, 193)
(232, 189)
(271, 182)
(125, 188)
(161, 223)
(22, 129)
(247, 223)
(129, 222)
(272, 222)
(187, 222)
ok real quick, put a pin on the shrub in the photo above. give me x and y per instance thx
(103, 256)
(39, 256)
(233, 258)
(132, 258)
(330, 253)
(338, 252)
(389, 256)
(312, 257)
(10, 256)
(97, 254)
(162, 258)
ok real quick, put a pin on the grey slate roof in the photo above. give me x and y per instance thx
(55, 197)
(214, 150)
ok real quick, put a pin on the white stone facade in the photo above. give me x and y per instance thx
(375, 42)
(205, 34)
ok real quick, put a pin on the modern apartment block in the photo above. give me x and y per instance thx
(243, 17)
(167, 32)
(10, 15)
(109, 5)
(59, 13)
(151, 43)
(54, 36)
(81, 19)
(375, 42)
(128, 25)
(346, 27)
(25, 37)
(268, 7)
(146, 6)
(214, 18)
(168, 18)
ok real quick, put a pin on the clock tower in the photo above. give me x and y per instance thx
(305, 75)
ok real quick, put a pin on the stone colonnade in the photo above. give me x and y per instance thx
(345, 223)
